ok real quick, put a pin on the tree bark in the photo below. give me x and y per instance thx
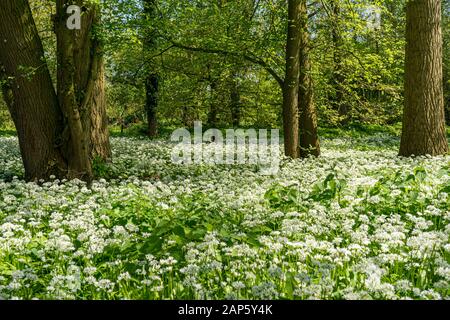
(100, 147)
(29, 92)
(81, 90)
(291, 83)
(309, 139)
(424, 130)
(77, 140)
(90, 81)
(152, 79)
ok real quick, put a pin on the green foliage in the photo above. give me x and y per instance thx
(368, 59)
(5, 118)
(201, 47)
(102, 169)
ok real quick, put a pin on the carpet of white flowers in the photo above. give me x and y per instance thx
(357, 223)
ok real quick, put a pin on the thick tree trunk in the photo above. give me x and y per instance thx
(309, 139)
(81, 90)
(424, 129)
(152, 80)
(90, 81)
(77, 139)
(100, 147)
(291, 85)
(29, 92)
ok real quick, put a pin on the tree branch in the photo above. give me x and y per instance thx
(244, 56)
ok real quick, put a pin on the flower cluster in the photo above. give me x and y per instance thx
(357, 223)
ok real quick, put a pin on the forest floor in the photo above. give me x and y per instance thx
(357, 223)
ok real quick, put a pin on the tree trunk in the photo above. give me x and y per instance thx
(100, 147)
(29, 92)
(424, 130)
(90, 81)
(212, 114)
(235, 105)
(186, 117)
(151, 88)
(338, 78)
(291, 85)
(81, 90)
(152, 80)
(309, 139)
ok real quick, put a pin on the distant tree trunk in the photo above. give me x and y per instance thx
(291, 85)
(151, 88)
(212, 114)
(424, 130)
(81, 89)
(309, 139)
(338, 78)
(186, 116)
(152, 79)
(235, 105)
(29, 92)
